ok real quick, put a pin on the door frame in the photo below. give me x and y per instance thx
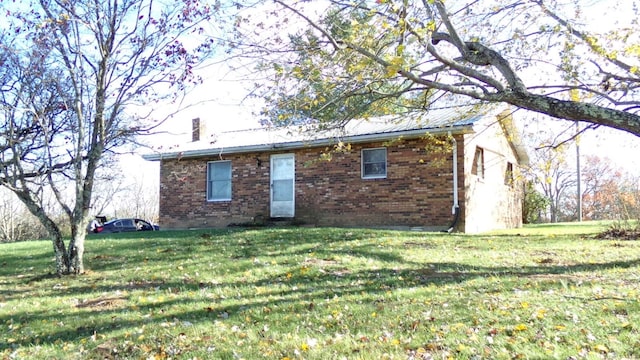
(289, 209)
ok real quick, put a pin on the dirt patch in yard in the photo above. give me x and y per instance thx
(319, 262)
(619, 234)
(327, 266)
(103, 303)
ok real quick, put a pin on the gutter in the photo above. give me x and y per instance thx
(455, 208)
(302, 144)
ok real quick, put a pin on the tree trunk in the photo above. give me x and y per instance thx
(554, 212)
(76, 250)
(63, 260)
(61, 255)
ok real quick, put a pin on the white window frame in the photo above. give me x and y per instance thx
(509, 177)
(362, 162)
(210, 181)
(478, 168)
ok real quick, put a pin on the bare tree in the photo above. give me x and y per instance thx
(554, 175)
(71, 71)
(14, 225)
(134, 196)
(137, 200)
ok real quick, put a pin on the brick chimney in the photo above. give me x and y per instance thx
(198, 129)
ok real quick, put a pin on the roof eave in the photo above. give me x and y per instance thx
(463, 129)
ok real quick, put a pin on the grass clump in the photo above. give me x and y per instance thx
(308, 293)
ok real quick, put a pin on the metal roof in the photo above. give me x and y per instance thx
(454, 120)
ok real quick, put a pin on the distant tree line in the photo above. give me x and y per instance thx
(137, 200)
(608, 192)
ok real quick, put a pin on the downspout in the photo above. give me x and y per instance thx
(455, 208)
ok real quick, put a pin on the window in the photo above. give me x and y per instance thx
(219, 181)
(478, 163)
(374, 163)
(508, 174)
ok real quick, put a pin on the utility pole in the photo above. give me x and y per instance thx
(579, 191)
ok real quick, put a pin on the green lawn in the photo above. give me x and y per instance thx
(310, 293)
(572, 228)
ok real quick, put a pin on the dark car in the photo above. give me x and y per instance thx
(123, 225)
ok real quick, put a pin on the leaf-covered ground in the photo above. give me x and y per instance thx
(306, 293)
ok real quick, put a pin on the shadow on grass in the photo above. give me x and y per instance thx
(302, 290)
(26, 262)
(295, 290)
(236, 244)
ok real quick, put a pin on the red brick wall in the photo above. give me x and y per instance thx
(415, 192)
(183, 192)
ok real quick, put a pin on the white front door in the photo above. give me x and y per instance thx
(282, 185)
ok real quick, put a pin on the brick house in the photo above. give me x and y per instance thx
(450, 170)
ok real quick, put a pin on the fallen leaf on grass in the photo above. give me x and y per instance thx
(601, 349)
(539, 314)
(520, 327)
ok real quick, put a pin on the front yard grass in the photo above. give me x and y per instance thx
(322, 293)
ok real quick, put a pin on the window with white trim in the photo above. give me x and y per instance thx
(374, 163)
(219, 181)
(478, 163)
(508, 174)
